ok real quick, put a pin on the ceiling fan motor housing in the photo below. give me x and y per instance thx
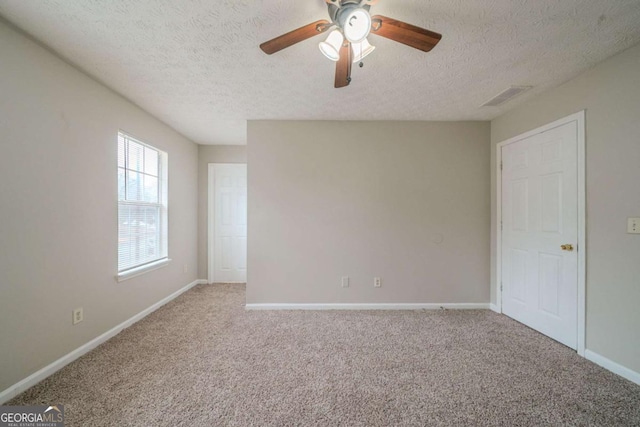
(339, 10)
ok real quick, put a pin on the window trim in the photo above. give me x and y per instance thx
(163, 204)
(142, 269)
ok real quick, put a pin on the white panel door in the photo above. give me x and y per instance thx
(230, 223)
(539, 218)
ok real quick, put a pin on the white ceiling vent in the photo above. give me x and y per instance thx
(506, 95)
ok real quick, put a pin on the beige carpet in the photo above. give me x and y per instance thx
(202, 360)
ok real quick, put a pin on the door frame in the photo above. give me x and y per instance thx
(211, 224)
(579, 118)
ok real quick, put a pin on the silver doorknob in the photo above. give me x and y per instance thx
(567, 247)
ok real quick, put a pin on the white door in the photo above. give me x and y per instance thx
(228, 192)
(540, 232)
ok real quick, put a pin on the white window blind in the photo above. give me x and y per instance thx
(142, 204)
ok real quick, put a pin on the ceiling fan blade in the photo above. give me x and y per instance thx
(404, 33)
(295, 36)
(343, 66)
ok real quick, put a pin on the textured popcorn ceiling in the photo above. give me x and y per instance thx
(196, 65)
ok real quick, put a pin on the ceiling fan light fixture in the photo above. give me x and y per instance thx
(356, 24)
(360, 50)
(331, 46)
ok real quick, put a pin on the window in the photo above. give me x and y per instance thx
(142, 207)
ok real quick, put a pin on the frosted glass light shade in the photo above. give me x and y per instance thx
(357, 25)
(331, 47)
(362, 49)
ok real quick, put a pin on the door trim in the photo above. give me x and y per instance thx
(211, 193)
(211, 189)
(579, 118)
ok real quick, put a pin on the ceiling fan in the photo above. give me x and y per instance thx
(347, 43)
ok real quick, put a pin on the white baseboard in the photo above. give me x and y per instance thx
(612, 366)
(50, 369)
(494, 307)
(446, 306)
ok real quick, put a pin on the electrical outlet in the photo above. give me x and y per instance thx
(78, 316)
(185, 268)
(345, 281)
(633, 226)
(377, 282)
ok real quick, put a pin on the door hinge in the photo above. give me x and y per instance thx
(500, 165)
(501, 226)
(500, 286)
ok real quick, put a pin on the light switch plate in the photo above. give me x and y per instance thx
(633, 226)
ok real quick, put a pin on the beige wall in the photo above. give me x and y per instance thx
(211, 154)
(366, 199)
(58, 208)
(610, 92)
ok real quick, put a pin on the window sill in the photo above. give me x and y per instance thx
(135, 272)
